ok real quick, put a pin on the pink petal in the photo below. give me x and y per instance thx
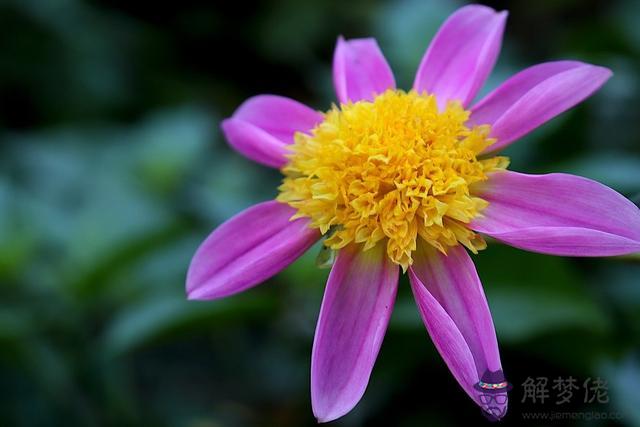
(248, 249)
(455, 311)
(279, 116)
(462, 54)
(355, 311)
(360, 70)
(534, 96)
(264, 125)
(254, 143)
(452, 280)
(558, 214)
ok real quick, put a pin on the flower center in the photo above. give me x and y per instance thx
(392, 170)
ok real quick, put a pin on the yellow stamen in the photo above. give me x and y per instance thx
(395, 170)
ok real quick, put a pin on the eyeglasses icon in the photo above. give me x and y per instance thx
(497, 398)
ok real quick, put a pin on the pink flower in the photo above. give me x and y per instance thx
(406, 179)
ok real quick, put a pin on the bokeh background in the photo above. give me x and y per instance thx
(113, 169)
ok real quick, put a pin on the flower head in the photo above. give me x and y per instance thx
(393, 178)
(395, 169)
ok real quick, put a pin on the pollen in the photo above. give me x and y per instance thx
(396, 170)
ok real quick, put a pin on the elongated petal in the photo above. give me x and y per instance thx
(452, 280)
(248, 249)
(279, 116)
(455, 311)
(446, 336)
(254, 143)
(263, 125)
(360, 70)
(534, 96)
(558, 214)
(355, 311)
(462, 54)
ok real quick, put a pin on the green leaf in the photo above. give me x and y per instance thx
(623, 378)
(531, 294)
(617, 170)
(165, 316)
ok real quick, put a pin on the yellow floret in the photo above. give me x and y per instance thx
(393, 170)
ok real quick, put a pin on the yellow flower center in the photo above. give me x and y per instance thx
(392, 170)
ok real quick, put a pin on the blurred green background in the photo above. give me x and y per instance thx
(113, 169)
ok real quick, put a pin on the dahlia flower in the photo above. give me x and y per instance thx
(392, 180)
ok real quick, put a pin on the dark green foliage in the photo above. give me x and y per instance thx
(113, 169)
